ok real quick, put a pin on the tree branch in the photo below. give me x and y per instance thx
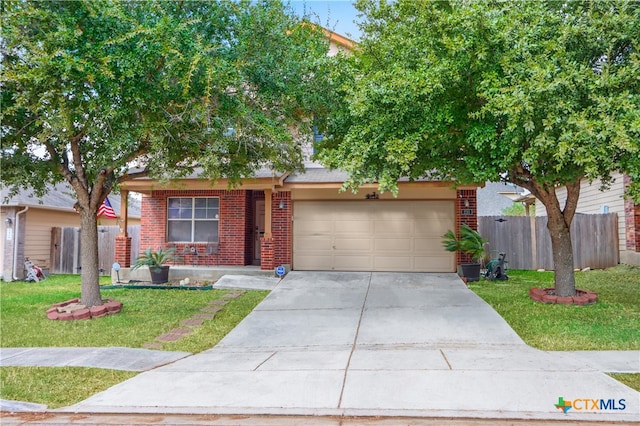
(77, 159)
(573, 193)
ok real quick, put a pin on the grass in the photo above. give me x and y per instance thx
(631, 380)
(146, 314)
(610, 324)
(57, 386)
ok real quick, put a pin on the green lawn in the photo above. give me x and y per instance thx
(146, 314)
(610, 324)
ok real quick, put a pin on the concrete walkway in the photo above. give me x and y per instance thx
(373, 344)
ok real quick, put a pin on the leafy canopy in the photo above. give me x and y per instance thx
(537, 93)
(90, 88)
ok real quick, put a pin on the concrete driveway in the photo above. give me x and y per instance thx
(394, 344)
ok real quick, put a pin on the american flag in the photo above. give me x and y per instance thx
(106, 209)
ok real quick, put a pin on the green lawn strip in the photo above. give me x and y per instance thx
(631, 380)
(212, 331)
(57, 386)
(146, 314)
(610, 324)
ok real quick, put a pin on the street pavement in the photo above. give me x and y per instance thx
(377, 344)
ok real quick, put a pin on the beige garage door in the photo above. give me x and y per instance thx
(372, 235)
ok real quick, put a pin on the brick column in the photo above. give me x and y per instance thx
(123, 251)
(267, 252)
(466, 213)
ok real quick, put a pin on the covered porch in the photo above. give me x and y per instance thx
(194, 273)
(236, 228)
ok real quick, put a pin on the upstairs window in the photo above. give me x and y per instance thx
(193, 219)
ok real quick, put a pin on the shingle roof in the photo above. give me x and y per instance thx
(318, 175)
(62, 197)
(491, 202)
(322, 175)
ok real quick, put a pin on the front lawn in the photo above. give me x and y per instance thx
(146, 314)
(610, 324)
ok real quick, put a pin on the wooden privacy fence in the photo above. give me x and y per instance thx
(65, 248)
(527, 243)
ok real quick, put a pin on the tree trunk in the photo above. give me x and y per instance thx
(559, 226)
(562, 248)
(90, 292)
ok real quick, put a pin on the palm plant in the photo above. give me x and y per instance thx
(154, 258)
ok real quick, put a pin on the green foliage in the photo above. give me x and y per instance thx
(470, 242)
(151, 257)
(542, 93)
(518, 209)
(90, 88)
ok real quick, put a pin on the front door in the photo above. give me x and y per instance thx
(258, 230)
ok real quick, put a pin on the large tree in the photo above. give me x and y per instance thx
(91, 88)
(540, 94)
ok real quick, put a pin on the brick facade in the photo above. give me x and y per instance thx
(281, 228)
(267, 261)
(466, 213)
(123, 251)
(234, 228)
(237, 228)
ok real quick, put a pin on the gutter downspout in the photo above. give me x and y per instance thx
(16, 233)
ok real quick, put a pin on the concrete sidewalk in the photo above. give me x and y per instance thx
(388, 344)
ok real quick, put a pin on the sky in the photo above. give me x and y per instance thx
(335, 15)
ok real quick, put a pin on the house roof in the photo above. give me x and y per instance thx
(61, 197)
(495, 197)
(318, 175)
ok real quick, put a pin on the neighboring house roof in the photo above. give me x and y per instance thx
(492, 198)
(61, 197)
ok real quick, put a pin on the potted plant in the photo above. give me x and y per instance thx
(156, 260)
(470, 243)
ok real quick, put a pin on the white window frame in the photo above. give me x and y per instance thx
(193, 220)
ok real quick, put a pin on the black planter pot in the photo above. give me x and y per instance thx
(471, 271)
(159, 274)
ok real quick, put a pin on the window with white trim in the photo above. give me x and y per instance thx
(193, 219)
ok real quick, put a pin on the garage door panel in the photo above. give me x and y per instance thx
(372, 235)
(393, 244)
(435, 263)
(314, 243)
(353, 244)
(344, 262)
(393, 263)
(430, 246)
(352, 227)
(318, 262)
(393, 228)
(316, 227)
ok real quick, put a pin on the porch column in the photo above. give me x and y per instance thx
(266, 241)
(123, 240)
(267, 213)
(124, 212)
